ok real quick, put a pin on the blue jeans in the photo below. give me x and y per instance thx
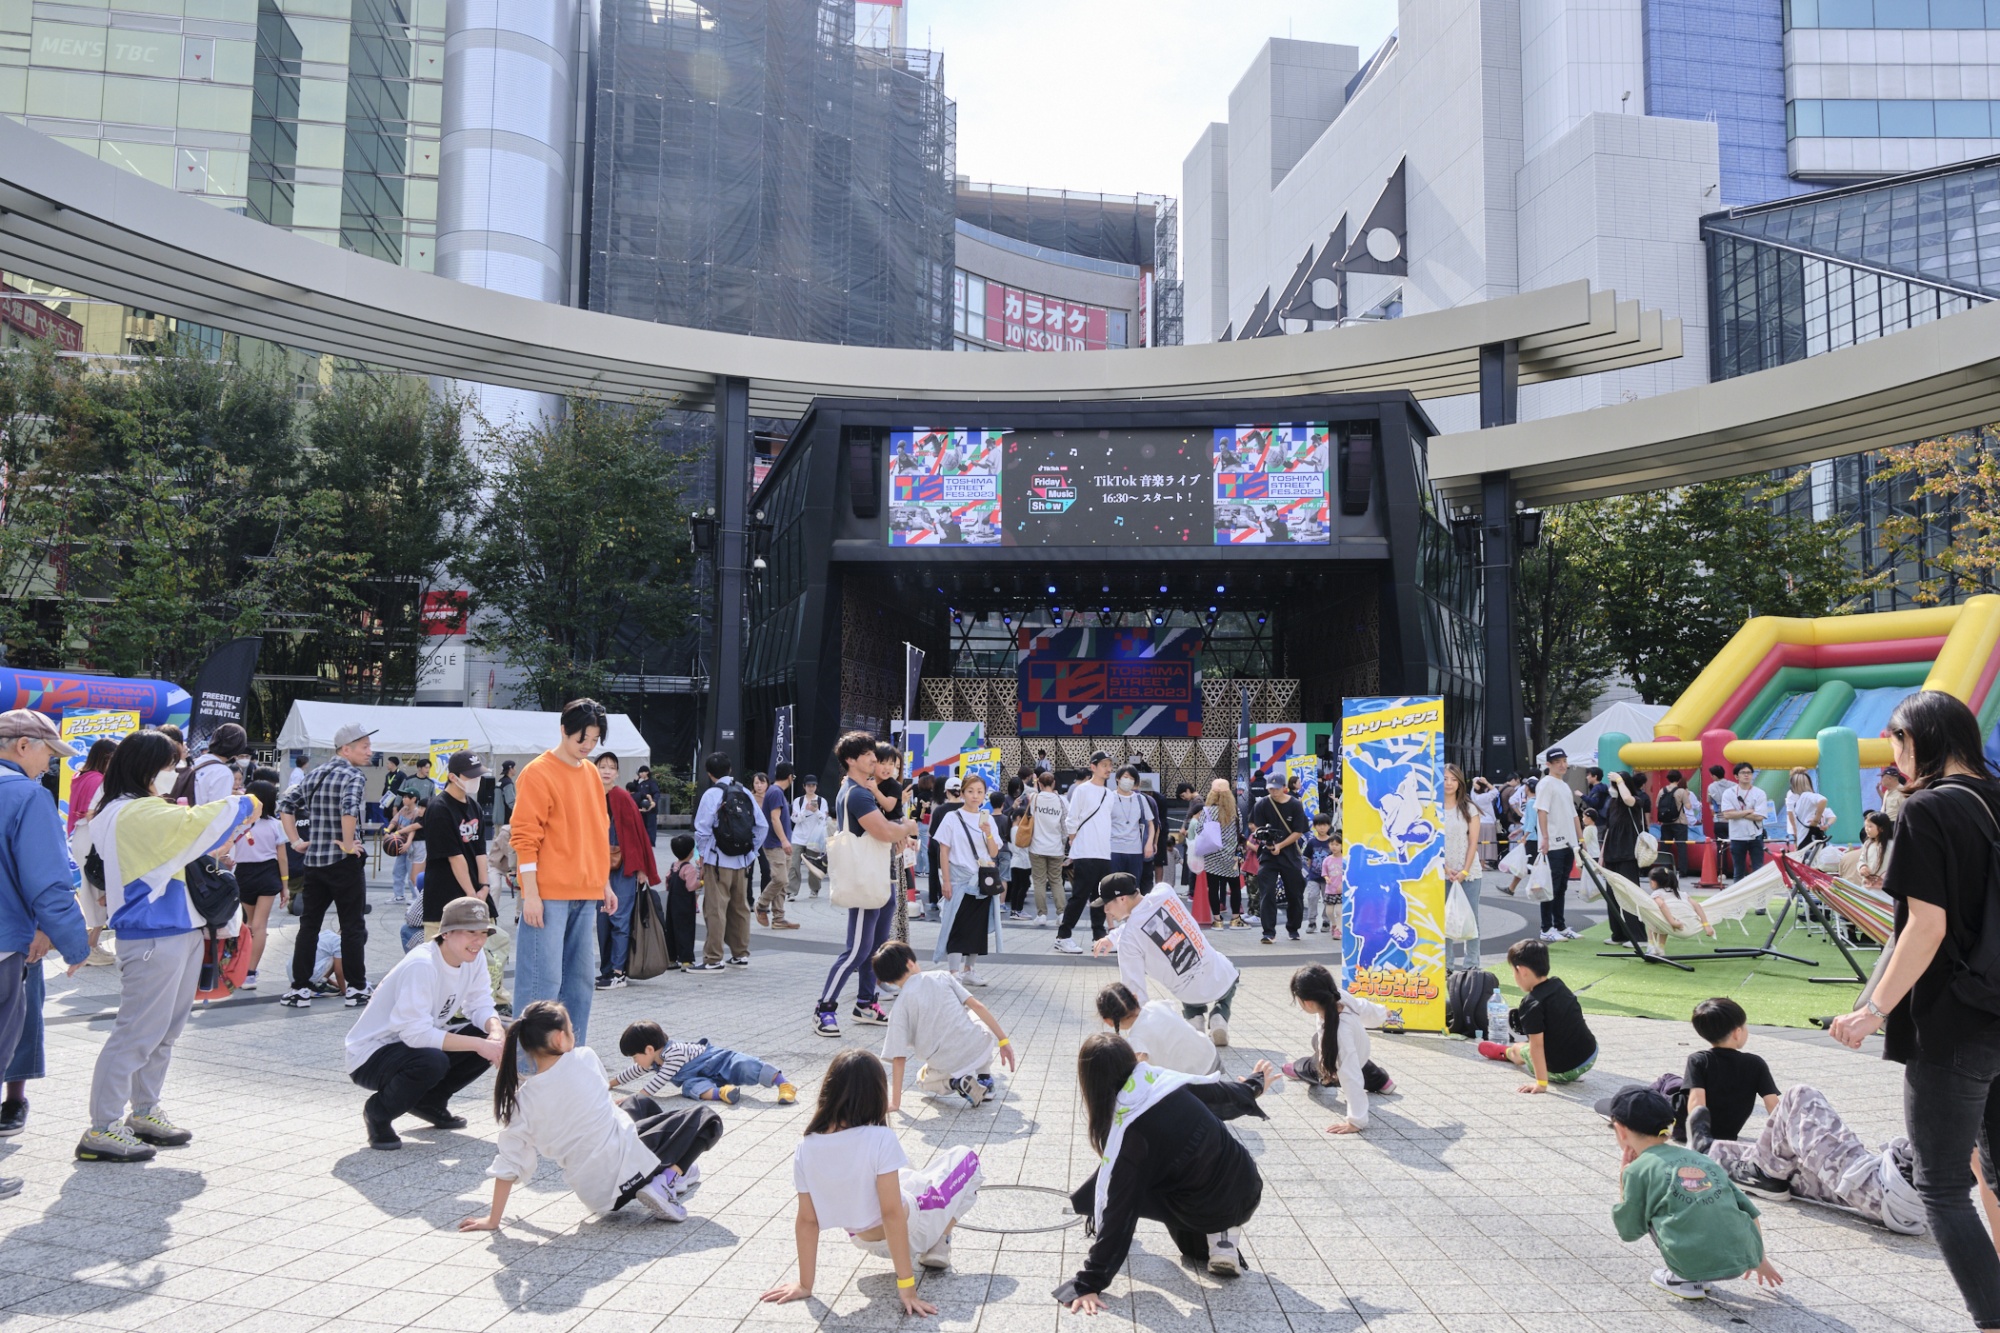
(411, 937)
(557, 960)
(27, 1060)
(719, 1065)
(1130, 863)
(400, 877)
(1746, 855)
(614, 929)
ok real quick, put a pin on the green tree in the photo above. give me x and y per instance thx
(581, 553)
(1565, 659)
(1948, 528)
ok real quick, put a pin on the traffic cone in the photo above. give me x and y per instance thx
(1709, 879)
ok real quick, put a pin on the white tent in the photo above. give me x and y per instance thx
(495, 734)
(1635, 720)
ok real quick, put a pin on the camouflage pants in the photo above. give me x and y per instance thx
(1806, 1142)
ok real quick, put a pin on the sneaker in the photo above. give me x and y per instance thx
(153, 1126)
(870, 1013)
(1569, 934)
(1223, 1259)
(1067, 946)
(296, 999)
(685, 1182)
(656, 1196)
(1218, 1029)
(784, 925)
(763, 918)
(968, 1087)
(1238, 923)
(971, 978)
(1041, 919)
(13, 1116)
(938, 1257)
(100, 957)
(382, 1136)
(11, 1185)
(1665, 1280)
(706, 967)
(1752, 1181)
(1287, 1070)
(323, 990)
(826, 1022)
(887, 991)
(249, 981)
(788, 1094)
(604, 983)
(1550, 937)
(739, 960)
(115, 1144)
(1294, 936)
(1268, 939)
(728, 1094)
(1493, 1050)
(1311, 929)
(438, 1117)
(1388, 1086)
(357, 997)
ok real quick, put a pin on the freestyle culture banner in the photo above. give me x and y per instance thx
(937, 747)
(1392, 950)
(1109, 682)
(1205, 486)
(1273, 746)
(82, 728)
(222, 687)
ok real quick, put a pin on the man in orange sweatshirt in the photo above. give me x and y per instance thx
(562, 840)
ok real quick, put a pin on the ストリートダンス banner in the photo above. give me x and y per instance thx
(1393, 764)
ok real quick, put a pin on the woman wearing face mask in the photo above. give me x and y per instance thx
(1134, 834)
(146, 842)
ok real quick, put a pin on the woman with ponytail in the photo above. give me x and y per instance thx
(1340, 1045)
(553, 1099)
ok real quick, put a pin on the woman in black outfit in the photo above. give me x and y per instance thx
(1937, 999)
(1624, 820)
(1173, 1162)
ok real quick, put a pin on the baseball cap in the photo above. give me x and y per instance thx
(1119, 885)
(1555, 753)
(1099, 757)
(26, 723)
(952, 783)
(1639, 1109)
(465, 914)
(349, 734)
(465, 764)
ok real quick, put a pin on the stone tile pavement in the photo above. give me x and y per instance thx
(1465, 1207)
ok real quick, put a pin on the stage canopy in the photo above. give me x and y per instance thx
(1634, 720)
(495, 734)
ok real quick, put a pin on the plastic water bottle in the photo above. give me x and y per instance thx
(1496, 1019)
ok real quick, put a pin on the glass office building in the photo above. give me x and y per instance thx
(1724, 60)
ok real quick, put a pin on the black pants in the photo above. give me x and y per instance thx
(1561, 861)
(1948, 1111)
(1218, 887)
(1374, 1078)
(680, 924)
(1673, 846)
(1625, 928)
(1084, 877)
(1018, 881)
(677, 1134)
(407, 1078)
(344, 886)
(1281, 872)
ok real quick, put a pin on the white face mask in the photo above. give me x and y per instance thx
(1127, 784)
(163, 782)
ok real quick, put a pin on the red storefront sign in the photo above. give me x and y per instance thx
(1030, 322)
(38, 321)
(444, 613)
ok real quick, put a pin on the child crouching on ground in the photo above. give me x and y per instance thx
(706, 1072)
(1340, 1045)
(1156, 1032)
(608, 1155)
(934, 1022)
(850, 1172)
(1706, 1229)
(1559, 1047)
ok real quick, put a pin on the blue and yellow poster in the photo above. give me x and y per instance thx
(1392, 756)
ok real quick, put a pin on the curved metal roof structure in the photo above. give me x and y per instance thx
(91, 227)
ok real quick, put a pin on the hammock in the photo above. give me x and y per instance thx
(1731, 904)
(1870, 911)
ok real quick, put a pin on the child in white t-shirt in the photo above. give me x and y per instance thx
(939, 1023)
(1340, 1045)
(850, 1172)
(1156, 936)
(1157, 1032)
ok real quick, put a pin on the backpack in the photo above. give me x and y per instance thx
(211, 890)
(1466, 995)
(1975, 980)
(1669, 808)
(736, 821)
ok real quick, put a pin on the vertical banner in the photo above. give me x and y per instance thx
(222, 688)
(913, 671)
(1393, 766)
(781, 737)
(441, 663)
(441, 753)
(1305, 767)
(986, 763)
(82, 728)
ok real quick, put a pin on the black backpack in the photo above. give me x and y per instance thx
(1670, 806)
(212, 890)
(736, 822)
(1975, 980)
(1466, 995)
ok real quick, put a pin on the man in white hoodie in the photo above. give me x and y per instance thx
(1156, 936)
(406, 1049)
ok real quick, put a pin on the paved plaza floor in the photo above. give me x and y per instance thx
(1464, 1207)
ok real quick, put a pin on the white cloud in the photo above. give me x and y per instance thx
(1110, 95)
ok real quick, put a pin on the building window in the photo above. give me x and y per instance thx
(1847, 118)
(1905, 14)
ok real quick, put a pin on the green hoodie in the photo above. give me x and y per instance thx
(1703, 1224)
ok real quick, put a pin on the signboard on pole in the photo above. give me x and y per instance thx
(441, 753)
(986, 763)
(1305, 767)
(1392, 950)
(82, 728)
(937, 747)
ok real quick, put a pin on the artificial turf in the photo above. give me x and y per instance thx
(1770, 990)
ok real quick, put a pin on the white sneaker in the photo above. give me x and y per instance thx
(1222, 1256)
(1068, 946)
(971, 978)
(938, 1257)
(1041, 920)
(656, 1196)
(1568, 934)
(1550, 937)
(687, 1180)
(1666, 1281)
(1218, 1029)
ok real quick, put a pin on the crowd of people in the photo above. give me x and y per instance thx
(166, 847)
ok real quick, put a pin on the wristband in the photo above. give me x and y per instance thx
(906, 1282)
(1006, 1041)
(1541, 1083)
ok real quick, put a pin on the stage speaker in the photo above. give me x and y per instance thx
(1357, 470)
(864, 471)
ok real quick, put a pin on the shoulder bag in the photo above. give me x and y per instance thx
(1024, 824)
(989, 874)
(857, 864)
(1207, 838)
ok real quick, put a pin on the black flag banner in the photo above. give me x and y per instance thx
(222, 688)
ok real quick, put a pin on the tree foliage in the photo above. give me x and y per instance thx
(1950, 529)
(1565, 658)
(581, 554)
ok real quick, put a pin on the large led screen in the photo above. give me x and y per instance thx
(1221, 486)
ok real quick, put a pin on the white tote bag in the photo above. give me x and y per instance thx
(1461, 922)
(1515, 862)
(857, 864)
(1646, 850)
(1539, 889)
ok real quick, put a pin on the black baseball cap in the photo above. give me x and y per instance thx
(1117, 885)
(1099, 757)
(1555, 753)
(465, 764)
(1639, 1109)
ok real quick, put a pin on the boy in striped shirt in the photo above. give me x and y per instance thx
(699, 1069)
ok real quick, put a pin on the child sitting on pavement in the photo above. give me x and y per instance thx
(1559, 1046)
(1156, 1032)
(934, 1021)
(1340, 1045)
(700, 1070)
(1706, 1229)
(1806, 1151)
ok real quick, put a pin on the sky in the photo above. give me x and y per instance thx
(1109, 95)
